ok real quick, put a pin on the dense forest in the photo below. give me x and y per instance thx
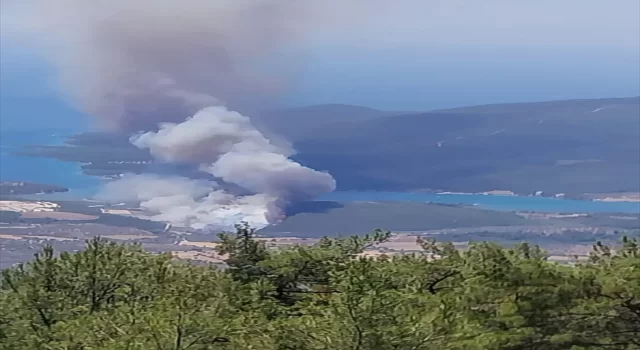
(327, 296)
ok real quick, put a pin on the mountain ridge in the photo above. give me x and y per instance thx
(563, 146)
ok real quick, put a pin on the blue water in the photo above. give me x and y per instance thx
(51, 171)
(40, 169)
(33, 113)
(511, 203)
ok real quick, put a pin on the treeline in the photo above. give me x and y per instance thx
(326, 296)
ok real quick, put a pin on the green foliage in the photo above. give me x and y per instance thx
(322, 297)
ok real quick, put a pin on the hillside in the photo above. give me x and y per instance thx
(301, 122)
(316, 219)
(561, 147)
(321, 296)
(573, 147)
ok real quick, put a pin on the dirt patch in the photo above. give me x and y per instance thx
(376, 253)
(129, 237)
(615, 197)
(290, 240)
(27, 206)
(567, 259)
(210, 245)
(210, 257)
(116, 211)
(619, 199)
(18, 237)
(53, 238)
(58, 215)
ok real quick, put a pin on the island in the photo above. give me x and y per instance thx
(8, 188)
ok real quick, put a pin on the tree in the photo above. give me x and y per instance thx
(321, 297)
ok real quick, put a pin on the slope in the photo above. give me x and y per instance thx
(573, 146)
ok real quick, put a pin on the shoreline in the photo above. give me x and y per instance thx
(86, 194)
(587, 197)
(514, 203)
(627, 197)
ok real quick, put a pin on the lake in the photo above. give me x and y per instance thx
(510, 203)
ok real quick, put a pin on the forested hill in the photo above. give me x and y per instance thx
(323, 297)
(573, 146)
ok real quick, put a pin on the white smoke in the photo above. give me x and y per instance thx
(154, 68)
(225, 144)
(135, 63)
(204, 137)
(188, 202)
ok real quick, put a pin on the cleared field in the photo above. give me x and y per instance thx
(129, 237)
(209, 257)
(18, 237)
(58, 215)
(210, 245)
(27, 206)
(117, 211)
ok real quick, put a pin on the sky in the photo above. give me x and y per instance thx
(408, 55)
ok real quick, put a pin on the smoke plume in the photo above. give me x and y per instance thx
(135, 63)
(188, 202)
(226, 145)
(167, 71)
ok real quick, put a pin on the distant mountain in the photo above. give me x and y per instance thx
(320, 218)
(573, 146)
(299, 122)
(317, 219)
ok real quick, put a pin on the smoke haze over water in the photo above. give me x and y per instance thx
(167, 71)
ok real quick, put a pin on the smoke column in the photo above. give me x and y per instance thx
(226, 145)
(166, 71)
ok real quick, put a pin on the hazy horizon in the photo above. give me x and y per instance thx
(409, 55)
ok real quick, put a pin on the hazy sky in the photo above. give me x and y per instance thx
(424, 54)
(540, 23)
(432, 54)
